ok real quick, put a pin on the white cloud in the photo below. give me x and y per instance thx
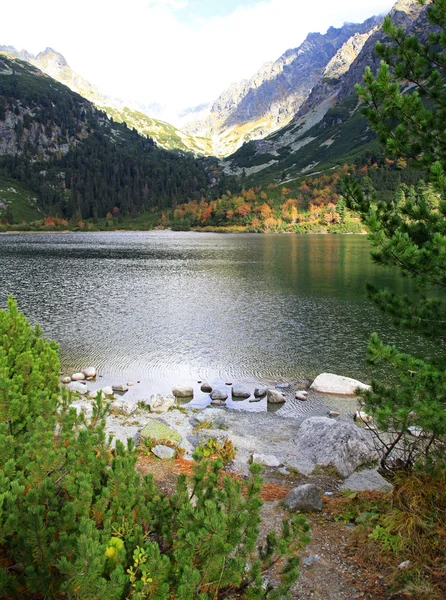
(140, 49)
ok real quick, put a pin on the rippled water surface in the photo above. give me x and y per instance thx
(166, 308)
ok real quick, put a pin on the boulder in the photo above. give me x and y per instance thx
(183, 391)
(267, 460)
(305, 498)
(238, 391)
(157, 430)
(77, 377)
(206, 387)
(275, 397)
(66, 380)
(161, 404)
(219, 395)
(330, 442)
(89, 372)
(78, 387)
(366, 480)
(328, 383)
(301, 395)
(260, 391)
(107, 391)
(218, 402)
(120, 387)
(163, 452)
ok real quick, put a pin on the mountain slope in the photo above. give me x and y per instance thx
(79, 163)
(327, 130)
(165, 135)
(255, 107)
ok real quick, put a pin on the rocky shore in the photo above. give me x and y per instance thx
(281, 443)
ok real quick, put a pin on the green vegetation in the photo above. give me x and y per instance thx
(165, 134)
(342, 136)
(18, 204)
(78, 521)
(409, 233)
(80, 164)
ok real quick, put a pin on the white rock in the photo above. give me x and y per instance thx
(366, 480)
(77, 377)
(275, 397)
(328, 383)
(66, 380)
(163, 452)
(260, 391)
(333, 414)
(78, 387)
(89, 372)
(183, 391)
(301, 395)
(161, 404)
(330, 442)
(107, 391)
(404, 565)
(268, 460)
(120, 387)
(130, 383)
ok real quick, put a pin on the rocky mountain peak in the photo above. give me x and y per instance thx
(49, 53)
(253, 108)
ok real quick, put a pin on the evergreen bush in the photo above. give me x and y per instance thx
(77, 521)
(409, 234)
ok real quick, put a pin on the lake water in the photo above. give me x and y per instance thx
(166, 308)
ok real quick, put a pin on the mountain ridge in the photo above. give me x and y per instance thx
(267, 101)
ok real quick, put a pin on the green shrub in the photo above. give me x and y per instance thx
(77, 521)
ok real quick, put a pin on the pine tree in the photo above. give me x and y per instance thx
(78, 522)
(406, 105)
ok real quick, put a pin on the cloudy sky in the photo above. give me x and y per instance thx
(176, 52)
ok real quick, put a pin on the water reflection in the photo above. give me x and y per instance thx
(168, 308)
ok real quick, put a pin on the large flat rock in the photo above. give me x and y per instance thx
(329, 383)
(158, 431)
(331, 443)
(368, 479)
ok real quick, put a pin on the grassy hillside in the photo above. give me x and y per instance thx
(18, 203)
(342, 136)
(164, 134)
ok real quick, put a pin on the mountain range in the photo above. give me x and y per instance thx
(297, 116)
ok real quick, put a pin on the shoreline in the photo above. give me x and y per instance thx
(195, 230)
